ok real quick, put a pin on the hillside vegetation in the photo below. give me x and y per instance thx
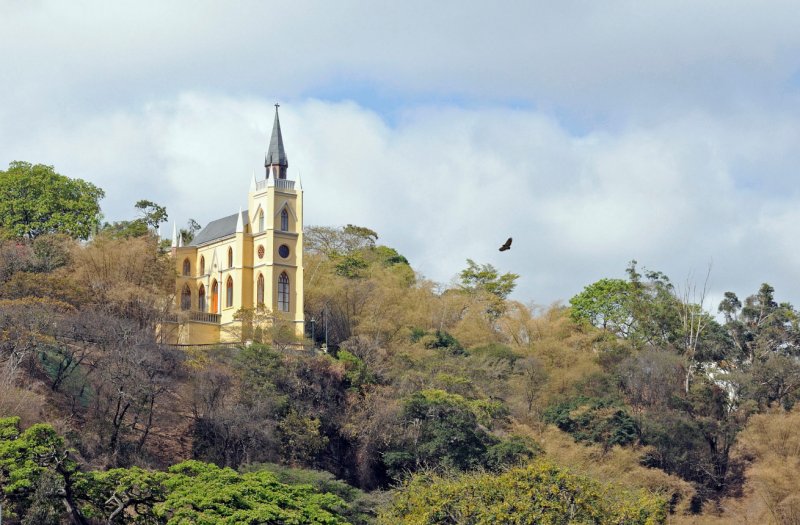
(429, 404)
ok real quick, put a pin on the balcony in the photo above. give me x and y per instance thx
(204, 317)
(194, 316)
(279, 184)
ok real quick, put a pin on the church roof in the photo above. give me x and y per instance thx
(276, 155)
(218, 229)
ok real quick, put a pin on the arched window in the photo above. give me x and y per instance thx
(214, 297)
(284, 220)
(229, 292)
(201, 299)
(260, 291)
(187, 267)
(186, 298)
(202, 265)
(261, 221)
(283, 292)
(230, 257)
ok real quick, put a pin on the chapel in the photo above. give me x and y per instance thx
(252, 260)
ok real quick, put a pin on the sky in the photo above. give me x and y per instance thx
(593, 133)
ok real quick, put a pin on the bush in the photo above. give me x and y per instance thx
(601, 421)
(539, 493)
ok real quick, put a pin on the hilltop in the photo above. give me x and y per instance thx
(407, 402)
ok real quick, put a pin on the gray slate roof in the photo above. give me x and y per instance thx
(276, 155)
(218, 229)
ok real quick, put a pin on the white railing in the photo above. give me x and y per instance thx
(281, 184)
(193, 315)
(204, 317)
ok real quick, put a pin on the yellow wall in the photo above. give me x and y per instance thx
(246, 265)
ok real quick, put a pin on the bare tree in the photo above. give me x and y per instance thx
(694, 319)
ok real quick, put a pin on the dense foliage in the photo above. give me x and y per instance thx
(35, 200)
(539, 493)
(42, 484)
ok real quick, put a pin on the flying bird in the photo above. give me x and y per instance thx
(506, 246)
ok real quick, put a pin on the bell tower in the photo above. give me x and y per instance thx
(275, 207)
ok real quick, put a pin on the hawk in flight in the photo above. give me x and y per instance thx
(506, 246)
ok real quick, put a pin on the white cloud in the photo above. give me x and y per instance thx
(446, 184)
(593, 133)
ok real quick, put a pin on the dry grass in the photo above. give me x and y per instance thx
(17, 399)
(618, 465)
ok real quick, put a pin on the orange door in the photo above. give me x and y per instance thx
(214, 297)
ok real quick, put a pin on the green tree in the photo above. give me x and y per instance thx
(41, 484)
(300, 438)
(152, 213)
(605, 304)
(442, 429)
(36, 473)
(187, 234)
(35, 200)
(204, 493)
(644, 309)
(761, 326)
(484, 279)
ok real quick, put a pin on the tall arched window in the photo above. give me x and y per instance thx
(284, 220)
(201, 299)
(230, 257)
(260, 291)
(202, 265)
(283, 292)
(186, 298)
(261, 221)
(229, 292)
(187, 267)
(214, 297)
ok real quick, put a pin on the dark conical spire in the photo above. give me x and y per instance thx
(276, 155)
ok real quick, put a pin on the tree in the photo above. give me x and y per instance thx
(203, 493)
(41, 484)
(537, 493)
(770, 327)
(442, 430)
(36, 473)
(644, 310)
(187, 234)
(128, 277)
(333, 242)
(152, 214)
(605, 304)
(35, 200)
(351, 284)
(484, 279)
(531, 377)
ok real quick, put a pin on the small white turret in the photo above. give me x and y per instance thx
(239, 223)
